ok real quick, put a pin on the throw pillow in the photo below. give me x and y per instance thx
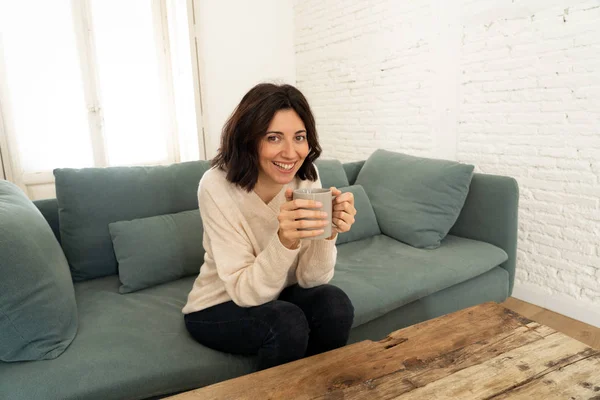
(38, 313)
(352, 169)
(91, 198)
(365, 223)
(416, 200)
(331, 173)
(156, 250)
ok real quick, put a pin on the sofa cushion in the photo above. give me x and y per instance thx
(331, 173)
(128, 347)
(416, 200)
(352, 169)
(489, 286)
(380, 274)
(38, 314)
(91, 198)
(365, 223)
(157, 249)
(49, 209)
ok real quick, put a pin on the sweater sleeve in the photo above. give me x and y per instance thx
(317, 262)
(317, 259)
(249, 280)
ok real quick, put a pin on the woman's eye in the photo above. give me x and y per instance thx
(273, 138)
(300, 138)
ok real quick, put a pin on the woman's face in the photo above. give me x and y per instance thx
(283, 149)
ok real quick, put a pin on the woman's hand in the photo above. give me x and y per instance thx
(290, 212)
(343, 211)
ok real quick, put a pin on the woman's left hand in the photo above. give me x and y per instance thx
(343, 211)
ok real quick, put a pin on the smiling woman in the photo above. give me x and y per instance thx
(275, 124)
(281, 153)
(262, 290)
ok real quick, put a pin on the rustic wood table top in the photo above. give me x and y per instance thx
(483, 352)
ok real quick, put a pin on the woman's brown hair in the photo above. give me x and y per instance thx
(243, 131)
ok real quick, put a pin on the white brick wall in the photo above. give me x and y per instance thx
(367, 76)
(522, 98)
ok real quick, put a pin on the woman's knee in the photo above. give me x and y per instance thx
(287, 323)
(334, 302)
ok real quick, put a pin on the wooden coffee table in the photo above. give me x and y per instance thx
(483, 352)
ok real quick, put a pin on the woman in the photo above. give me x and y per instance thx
(262, 289)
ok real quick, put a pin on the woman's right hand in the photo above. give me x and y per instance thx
(290, 213)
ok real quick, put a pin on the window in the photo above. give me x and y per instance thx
(95, 83)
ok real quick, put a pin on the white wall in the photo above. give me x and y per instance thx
(241, 43)
(530, 77)
(366, 70)
(512, 87)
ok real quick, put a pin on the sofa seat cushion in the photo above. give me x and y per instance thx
(129, 346)
(380, 274)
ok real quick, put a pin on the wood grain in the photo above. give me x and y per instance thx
(578, 330)
(484, 352)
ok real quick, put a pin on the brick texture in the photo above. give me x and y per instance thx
(366, 74)
(527, 105)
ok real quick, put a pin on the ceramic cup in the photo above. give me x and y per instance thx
(325, 197)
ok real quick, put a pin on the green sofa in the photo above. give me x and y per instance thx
(135, 345)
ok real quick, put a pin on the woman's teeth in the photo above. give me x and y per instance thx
(287, 167)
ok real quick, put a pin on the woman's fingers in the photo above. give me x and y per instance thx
(307, 234)
(291, 230)
(344, 216)
(301, 218)
(297, 214)
(347, 207)
(341, 225)
(300, 203)
(294, 236)
(303, 224)
(344, 197)
(289, 194)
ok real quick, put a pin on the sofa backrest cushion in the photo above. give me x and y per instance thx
(352, 169)
(38, 313)
(89, 199)
(416, 200)
(331, 173)
(365, 222)
(159, 249)
(49, 209)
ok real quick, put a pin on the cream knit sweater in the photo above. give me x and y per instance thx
(245, 261)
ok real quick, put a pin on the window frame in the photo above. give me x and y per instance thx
(85, 46)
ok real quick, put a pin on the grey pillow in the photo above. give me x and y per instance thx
(156, 250)
(91, 198)
(332, 173)
(365, 222)
(416, 200)
(352, 169)
(38, 313)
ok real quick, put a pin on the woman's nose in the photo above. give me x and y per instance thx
(288, 149)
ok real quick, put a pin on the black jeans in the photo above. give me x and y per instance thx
(301, 322)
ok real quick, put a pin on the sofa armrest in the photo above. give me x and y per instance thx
(490, 214)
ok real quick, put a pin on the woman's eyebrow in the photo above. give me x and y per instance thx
(281, 133)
